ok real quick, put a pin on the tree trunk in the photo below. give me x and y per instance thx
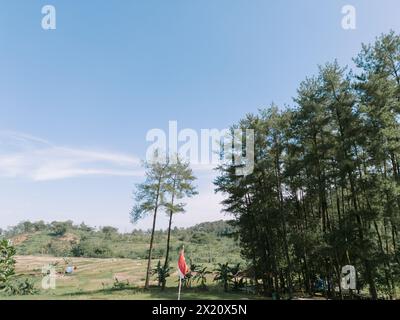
(169, 234)
(146, 285)
(167, 253)
(150, 251)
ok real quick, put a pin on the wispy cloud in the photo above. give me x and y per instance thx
(26, 156)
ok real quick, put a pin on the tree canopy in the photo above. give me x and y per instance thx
(325, 189)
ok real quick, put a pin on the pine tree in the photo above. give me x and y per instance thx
(149, 197)
(178, 185)
(325, 188)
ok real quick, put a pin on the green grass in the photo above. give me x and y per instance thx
(133, 293)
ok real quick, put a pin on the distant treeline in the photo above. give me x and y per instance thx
(219, 228)
(325, 191)
(208, 242)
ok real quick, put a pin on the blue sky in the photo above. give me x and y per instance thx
(76, 102)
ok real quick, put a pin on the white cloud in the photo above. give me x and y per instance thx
(32, 158)
(26, 156)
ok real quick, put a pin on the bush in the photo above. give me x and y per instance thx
(58, 248)
(200, 238)
(91, 249)
(237, 279)
(224, 275)
(7, 263)
(162, 273)
(201, 276)
(120, 285)
(58, 228)
(158, 252)
(20, 287)
(77, 251)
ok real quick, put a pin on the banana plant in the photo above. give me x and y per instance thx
(201, 276)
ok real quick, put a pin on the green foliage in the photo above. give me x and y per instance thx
(120, 285)
(237, 279)
(179, 184)
(7, 263)
(149, 197)
(8, 282)
(58, 228)
(21, 287)
(58, 248)
(200, 238)
(223, 275)
(91, 248)
(230, 276)
(201, 277)
(161, 272)
(109, 232)
(325, 191)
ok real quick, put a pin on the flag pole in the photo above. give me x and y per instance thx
(180, 278)
(180, 285)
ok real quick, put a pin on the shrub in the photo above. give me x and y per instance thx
(201, 276)
(91, 249)
(21, 287)
(227, 274)
(200, 238)
(223, 275)
(237, 279)
(58, 228)
(120, 285)
(161, 272)
(7, 263)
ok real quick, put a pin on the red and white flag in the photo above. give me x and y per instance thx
(182, 266)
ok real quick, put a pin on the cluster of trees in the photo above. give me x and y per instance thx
(325, 191)
(167, 182)
(55, 228)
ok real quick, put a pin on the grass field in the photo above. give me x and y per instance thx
(94, 279)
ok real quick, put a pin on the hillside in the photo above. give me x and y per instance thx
(209, 242)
